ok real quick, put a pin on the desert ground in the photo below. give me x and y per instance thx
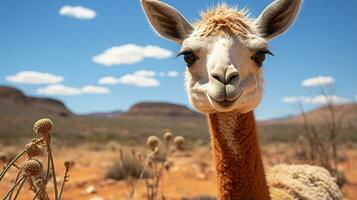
(191, 175)
(93, 143)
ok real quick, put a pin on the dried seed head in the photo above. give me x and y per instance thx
(68, 163)
(40, 183)
(179, 142)
(168, 137)
(167, 165)
(43, 126)
(33, 149)
(32, 167)
(153, 142)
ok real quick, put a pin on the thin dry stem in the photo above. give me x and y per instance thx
(65, 179)
(41, 191)
(23, 178)
(18, 191)
(11, 163)
(15, 180)
(53, 174)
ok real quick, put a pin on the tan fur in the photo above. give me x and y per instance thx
(303, 182)
(237, 155)
(240, 169)
(225, 20)
(222, 33)
(280, 194)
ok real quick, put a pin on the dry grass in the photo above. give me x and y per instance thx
(128, 166)
(183, 180)
(160, 171)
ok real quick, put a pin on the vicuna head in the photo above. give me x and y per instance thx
(224, 51)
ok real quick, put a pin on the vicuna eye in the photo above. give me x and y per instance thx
(259, 56)
(189, 57)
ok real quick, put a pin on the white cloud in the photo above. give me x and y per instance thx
(141, 78)
(139, 81)
(92, 89)
(59, 89)
(318, 81)
(291, 99)
(78, 12)
(33, 77)
(172, 73)
(147, 73)
(321, 99)
(108, 80)
(130, 54)
(317, 100)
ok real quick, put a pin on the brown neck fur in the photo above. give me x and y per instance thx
(237, 156)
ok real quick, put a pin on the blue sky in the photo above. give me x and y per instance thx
(34, 36)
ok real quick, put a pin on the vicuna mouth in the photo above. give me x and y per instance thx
(225, 103)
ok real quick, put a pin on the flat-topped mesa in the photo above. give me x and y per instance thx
(21, 104)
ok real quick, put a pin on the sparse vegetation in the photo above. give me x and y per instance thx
(149, 167)
(319, 142)
(129, 133)
(32, 170)
(128, 165)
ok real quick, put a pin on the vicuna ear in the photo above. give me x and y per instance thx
(278, 17)
(166, 20)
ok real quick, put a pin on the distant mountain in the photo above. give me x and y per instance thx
(161, 109)
(344, 113)
(105, 114)
(18, 112)
(13, 102)
(150, 109)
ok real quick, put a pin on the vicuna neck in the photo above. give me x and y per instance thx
(238, 161)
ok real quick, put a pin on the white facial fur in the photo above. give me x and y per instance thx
(224, 78)
(223, 54)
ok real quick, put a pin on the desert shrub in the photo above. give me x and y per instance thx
(300, 155)
(342, 157)
(94, 146)
(150, 166)
(127, 166)
(341, 179)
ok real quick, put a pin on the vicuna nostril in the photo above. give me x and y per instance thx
(219, 78)
(232, 77)
(227, 79)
